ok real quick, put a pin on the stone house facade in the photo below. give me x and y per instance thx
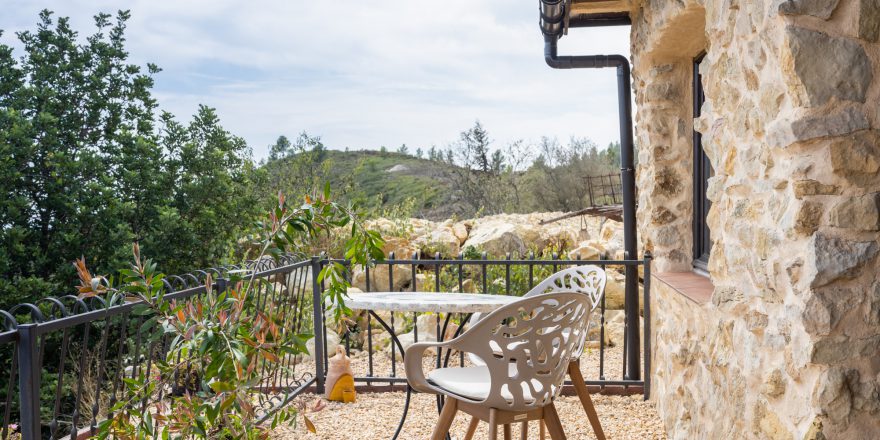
(758, 134)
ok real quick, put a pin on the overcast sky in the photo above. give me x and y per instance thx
(363, 73)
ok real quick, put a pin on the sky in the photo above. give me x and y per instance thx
(360, 74)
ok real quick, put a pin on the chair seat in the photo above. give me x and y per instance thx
(473, 382)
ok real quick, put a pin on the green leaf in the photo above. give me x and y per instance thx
(220, 387)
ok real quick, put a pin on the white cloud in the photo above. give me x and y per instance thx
(362, 73)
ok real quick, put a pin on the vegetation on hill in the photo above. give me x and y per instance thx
(470, 177)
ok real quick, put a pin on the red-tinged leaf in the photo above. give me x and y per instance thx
(180, 316)
(270, 356)
(249, 341)
(319, 405)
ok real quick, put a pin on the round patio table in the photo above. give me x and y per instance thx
(436, 302)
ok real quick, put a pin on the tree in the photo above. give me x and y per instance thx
(435, 154)
(73, 119)
(558, 173)
(474, 171)
(518, 157)
(86, 170)
(280, 149)
(475, 141)
(403, 149)
(419, 152)
(212, 174)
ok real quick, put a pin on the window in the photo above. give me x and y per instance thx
(702, 173)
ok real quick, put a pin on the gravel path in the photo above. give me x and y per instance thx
(382, 364)
(375, 416)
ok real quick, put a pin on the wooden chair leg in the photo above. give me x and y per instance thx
(574, 371)
(542, 429)
(524, 431)
(446, 418)
(472, 428)
(554, 425)
(493, 424)
(507, 432)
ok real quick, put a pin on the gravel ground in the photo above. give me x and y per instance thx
(382, 364)
(375, 416)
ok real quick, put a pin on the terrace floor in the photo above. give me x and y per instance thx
(375, 416)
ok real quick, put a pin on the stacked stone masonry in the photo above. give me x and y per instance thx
(789, 345)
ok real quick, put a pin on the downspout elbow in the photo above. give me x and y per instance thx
(555, 61)
(550, 53)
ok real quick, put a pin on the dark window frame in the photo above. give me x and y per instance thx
(702, 242)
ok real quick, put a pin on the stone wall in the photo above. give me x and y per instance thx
(789, 346)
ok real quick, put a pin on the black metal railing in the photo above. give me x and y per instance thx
(507, 276)
(63, 361)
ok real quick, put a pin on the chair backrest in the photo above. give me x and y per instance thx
(588, 280)
(527, 346)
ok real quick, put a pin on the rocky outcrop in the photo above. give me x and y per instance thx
(498, 235)
(496, 238)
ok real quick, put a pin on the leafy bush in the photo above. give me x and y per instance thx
(223, 344)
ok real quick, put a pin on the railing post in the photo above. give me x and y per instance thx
(29, 381)
(318, 309)
(647, 299)
(221, 285)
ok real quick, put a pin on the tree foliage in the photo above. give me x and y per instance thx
(88, 163)
(522, 177)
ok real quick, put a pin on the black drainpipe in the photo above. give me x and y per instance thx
(553, 16)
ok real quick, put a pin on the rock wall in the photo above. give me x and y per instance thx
(788, 347)
(498, 235)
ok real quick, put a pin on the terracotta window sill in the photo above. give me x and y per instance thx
(696, 287)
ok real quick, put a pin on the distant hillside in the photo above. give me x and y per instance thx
(471, 180)
(385, 180)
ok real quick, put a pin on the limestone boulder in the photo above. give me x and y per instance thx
(380, 280)
(426, 330)
(496, 238)
(442, 240)
(330, 347)
(460, 230)
(615, 287)
(585, 251)
(402, 248)
(615, 326)
(467, 286)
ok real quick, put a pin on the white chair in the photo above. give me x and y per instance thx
(527, 347)
(590, 281)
